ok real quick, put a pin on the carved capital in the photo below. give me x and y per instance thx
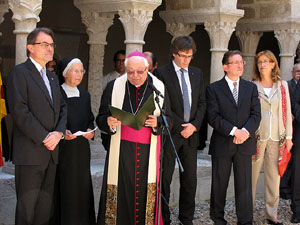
(25, 14)
(249, 41)
(135, 23)
(97, 26)
(180, 29)
(219, 33)
(288, 41)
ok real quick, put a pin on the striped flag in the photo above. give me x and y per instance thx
(3, 113)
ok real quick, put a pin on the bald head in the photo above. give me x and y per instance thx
(296, 71)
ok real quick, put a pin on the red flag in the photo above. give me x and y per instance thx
(3, 113)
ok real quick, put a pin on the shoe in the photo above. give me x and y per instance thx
(295, 219)
(272, 222)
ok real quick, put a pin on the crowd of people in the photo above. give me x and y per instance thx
(254, 123)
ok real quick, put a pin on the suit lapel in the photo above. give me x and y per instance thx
(54, 88)
(193, 82)
(242, 91)
(35, 74)
(175, 82)
(227, 90)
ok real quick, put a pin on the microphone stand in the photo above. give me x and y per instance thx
(166, 125)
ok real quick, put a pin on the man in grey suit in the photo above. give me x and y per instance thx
(39, 121)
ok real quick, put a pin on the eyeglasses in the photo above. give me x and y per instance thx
(45, 44)
(185, 56)
(237, 63)
(263, 62)
(78, 71)
(140, 72)
(120, 60)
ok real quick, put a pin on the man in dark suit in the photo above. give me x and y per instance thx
(286, 180)
(186, 91)
(233, 110)
(296, 75)
(39, 116)
(295, 184)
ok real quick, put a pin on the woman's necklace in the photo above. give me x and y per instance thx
(134, 113)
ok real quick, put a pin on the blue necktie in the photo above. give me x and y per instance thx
(46, 81)
(185, 96)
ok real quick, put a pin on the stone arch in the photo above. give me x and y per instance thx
(115, 41)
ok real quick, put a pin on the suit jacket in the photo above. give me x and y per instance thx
(296, 113)
(223, 114)
(168, 76)
(292, 86)
(34, 114)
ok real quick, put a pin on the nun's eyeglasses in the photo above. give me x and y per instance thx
(78, 71)
(45, 44)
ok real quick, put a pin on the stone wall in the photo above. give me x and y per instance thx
(266, 9)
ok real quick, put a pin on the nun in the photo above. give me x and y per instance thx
(76, 200)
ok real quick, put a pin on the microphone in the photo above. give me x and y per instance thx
(157, 92)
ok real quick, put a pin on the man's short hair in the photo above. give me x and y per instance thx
(183, 43)
(31, 38)
(121, 52)
(228, 54)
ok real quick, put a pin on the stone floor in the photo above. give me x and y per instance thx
(202, 213)
(8, 201)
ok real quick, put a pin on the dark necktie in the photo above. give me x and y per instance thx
(185, 96)
(234, 92)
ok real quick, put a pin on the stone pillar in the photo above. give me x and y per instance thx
(180, 29)
(219, 33)
(288, 41)
(135, 23)
(97, 27)
(248, 41)
(25, 16)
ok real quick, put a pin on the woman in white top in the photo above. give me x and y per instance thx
(274, 134)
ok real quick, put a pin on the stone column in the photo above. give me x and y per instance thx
(135, 23)
(248, 41)
(97, 27)
(288, 41)
(180, 29)
(219, 33)
(25, 16)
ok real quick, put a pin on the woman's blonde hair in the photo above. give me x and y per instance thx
(275, 71)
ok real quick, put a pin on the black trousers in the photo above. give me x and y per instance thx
(188, 181)
(34, 189)
(295, 206)
(221, 169)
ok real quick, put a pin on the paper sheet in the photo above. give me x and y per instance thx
(79, 133)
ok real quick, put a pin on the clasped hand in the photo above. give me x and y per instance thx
(188, 130)
(52, 140)
(240, 136)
